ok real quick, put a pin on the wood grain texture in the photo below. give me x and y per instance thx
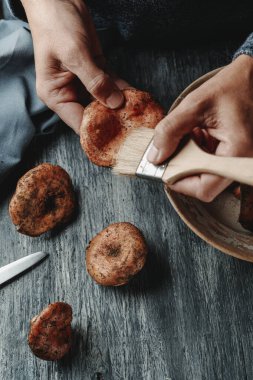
(187, 316)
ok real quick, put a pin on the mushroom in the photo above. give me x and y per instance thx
(50, 332)
(116, 254)
(44, 199)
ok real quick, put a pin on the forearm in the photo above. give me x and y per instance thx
(45, 14)
(29, 4)
(27, 9)
(36, 12)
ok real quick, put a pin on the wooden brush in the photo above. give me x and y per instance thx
(189, 160)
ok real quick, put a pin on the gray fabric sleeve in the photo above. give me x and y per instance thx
(246, 48)
(23, 115)
(15, 9)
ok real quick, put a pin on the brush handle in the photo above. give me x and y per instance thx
(193, 160)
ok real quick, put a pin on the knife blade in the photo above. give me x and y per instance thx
(17, 267)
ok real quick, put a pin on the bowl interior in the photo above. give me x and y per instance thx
(215, 222)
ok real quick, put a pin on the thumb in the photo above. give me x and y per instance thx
(170, 130)
(99, 84)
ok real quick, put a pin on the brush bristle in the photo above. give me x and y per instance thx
(132, 151)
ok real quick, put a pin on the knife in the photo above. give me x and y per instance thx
(13, 269)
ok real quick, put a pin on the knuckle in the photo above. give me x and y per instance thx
(210, 119)
(161, 126)
(164, 125)
(194, 102)
(98, 83)
(168, 129)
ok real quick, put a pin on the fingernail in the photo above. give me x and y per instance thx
(115, 99)
(153, 154)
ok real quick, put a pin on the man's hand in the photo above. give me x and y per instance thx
(220, 111)
(69, 61)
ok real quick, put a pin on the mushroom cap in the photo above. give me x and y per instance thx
(44, 198)
(116, 254)
(50, 332)
(103, 130)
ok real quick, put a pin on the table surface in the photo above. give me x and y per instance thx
(188, 315)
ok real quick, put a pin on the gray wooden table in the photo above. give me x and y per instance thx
(188, 315)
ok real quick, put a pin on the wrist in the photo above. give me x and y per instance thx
(244, 61)
(30, 5)
(244, 66)
(45, 12)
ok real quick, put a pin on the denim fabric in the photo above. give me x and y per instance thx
(173, 21)
(246, 48)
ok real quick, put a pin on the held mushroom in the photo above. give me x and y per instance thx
(103, 130)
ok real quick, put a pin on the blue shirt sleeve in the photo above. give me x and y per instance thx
(15, 9)
(246, 48)
(23, 115)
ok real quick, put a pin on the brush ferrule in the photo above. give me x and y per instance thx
(148, 170)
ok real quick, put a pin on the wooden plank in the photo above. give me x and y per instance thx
(188, 315)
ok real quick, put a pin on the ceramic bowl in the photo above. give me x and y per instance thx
(215, 222)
